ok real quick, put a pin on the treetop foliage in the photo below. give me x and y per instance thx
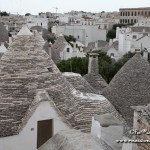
(70, 38)
(107, 67)
(4, 13)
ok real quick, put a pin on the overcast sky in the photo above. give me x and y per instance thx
(35, 6)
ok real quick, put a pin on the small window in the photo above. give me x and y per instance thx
(139, 13)
(142, 13)
(78, 36)
(134, 20)
(134, 36)
(132, 14)
(50, 69)
(105, 27)
(68, 49)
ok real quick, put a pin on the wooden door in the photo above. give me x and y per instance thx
(44, 131)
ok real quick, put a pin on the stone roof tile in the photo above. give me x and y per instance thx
(129, 87)
(24, 69)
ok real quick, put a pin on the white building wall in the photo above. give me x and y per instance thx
(64, 19)
(116, 56)
(122, 43)
(36, 21)
(27, 138)
(127, 146)
(58, 30)
(109, 134)
(141, 44)
(82, 32)
(72, 53)
(128, 42)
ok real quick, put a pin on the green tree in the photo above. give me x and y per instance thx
(75, 64)
(70, 38)
(111, 34)
(50, 29)
(27, 14)
(4, 13)
(107, 68)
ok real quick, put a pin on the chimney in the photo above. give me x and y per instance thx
(137, 51)
(109, 129)
(96, 44)
(10, 38)
(93, 63)
(34, 32)
(110, 42)
(143, 31)
(50, 52)
(117, 32)
(145, 54)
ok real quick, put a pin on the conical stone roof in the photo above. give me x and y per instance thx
(26, 68)
(58, 47)
(3, 34)
(130, 87)
(79, 83)
(96, 81)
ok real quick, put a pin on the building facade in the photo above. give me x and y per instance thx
(130, 15)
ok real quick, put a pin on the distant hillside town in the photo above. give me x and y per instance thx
(42, 108)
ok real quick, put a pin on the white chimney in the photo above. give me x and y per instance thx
(137, 51)
(145, 54)
(143, 31)
(96, 44)
(10, 38)
(110, 42)
(109, 129)
(117, 32)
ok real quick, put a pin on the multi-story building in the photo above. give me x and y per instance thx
(130, 15)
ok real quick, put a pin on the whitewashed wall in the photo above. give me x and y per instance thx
(27, 139)
(81, 32)
(142, 43)
(64, 55)
(116, 56)
(109, 134)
